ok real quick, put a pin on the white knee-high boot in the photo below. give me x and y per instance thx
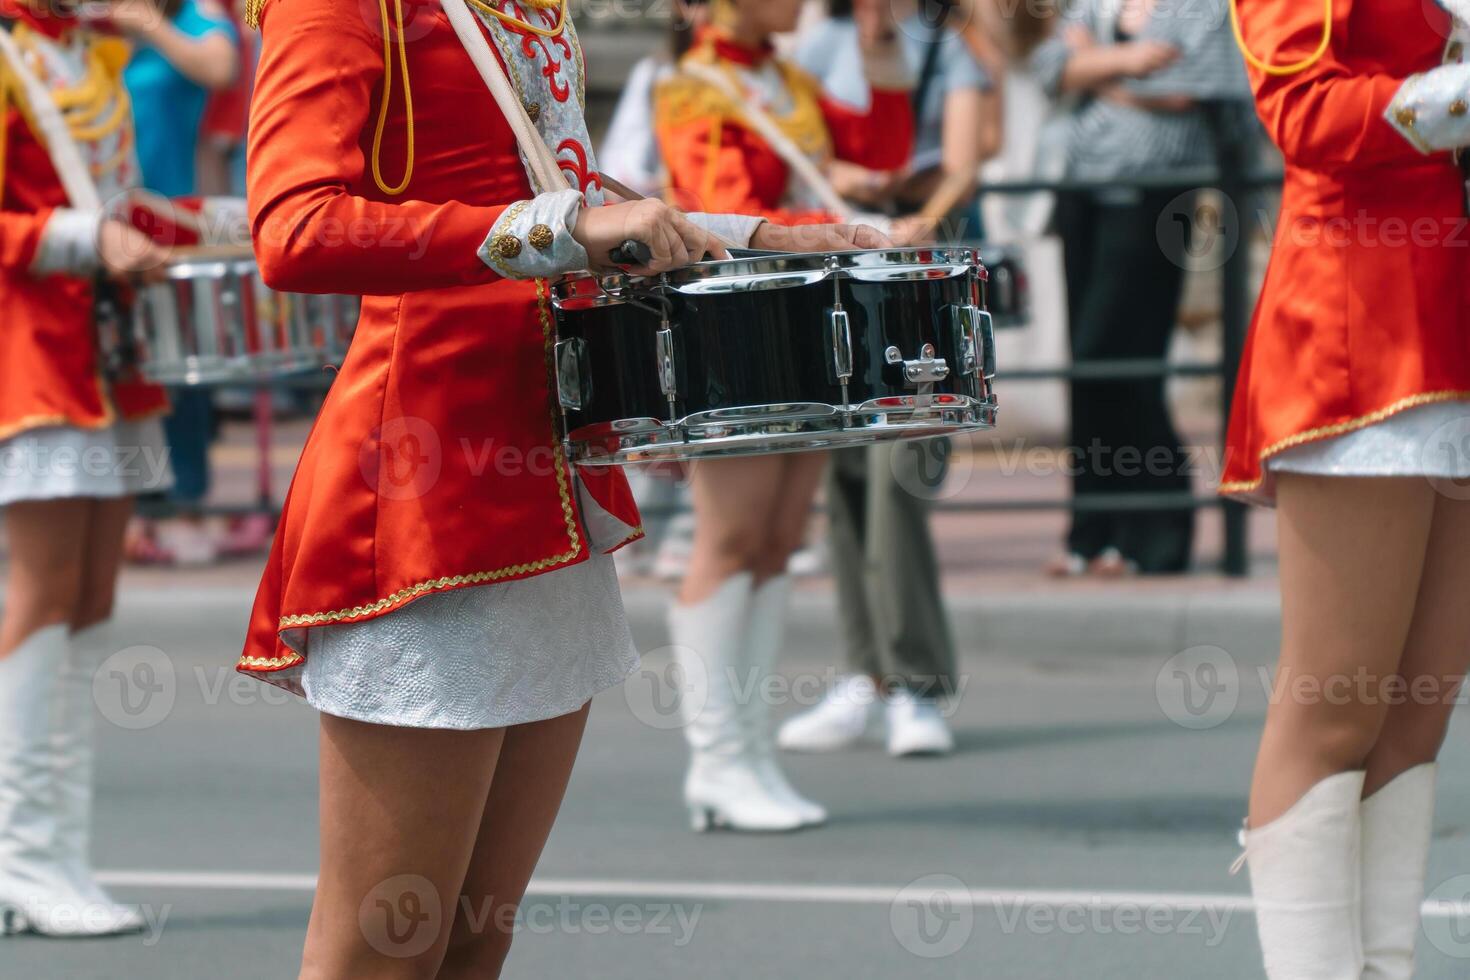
(37, 891)
(764, 641)
(72, 749)
(722, 787)
(1398, 822)
(1304, 876)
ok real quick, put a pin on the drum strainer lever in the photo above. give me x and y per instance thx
(926, 369)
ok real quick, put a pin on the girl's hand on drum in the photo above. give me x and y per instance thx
(127, 253)
(674, 240)
(818, 238)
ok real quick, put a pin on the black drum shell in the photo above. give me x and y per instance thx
(767, 347)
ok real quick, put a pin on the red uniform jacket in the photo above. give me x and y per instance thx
(716, 163)
(49, 369)
(436, 462)
(1366, 306)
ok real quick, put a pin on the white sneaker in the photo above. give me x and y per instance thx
(839, 721)
(915, 727)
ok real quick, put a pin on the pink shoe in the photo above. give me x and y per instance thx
(247, 535)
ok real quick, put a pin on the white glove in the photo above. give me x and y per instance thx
(1432, 110)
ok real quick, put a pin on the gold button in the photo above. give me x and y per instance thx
(1454, 51)
(541, 237)
(1459, 107)
(533, 109)
(506, 246)
(1405, 116)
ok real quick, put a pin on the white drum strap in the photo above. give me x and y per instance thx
(769, 130)
(66, 156)
(546, 173)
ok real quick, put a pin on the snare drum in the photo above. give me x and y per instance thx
(212, 321)
(779, 353)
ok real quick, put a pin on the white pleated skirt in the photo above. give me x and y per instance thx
(62, 461)
(1431, 441)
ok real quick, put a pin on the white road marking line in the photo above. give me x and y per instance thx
(753, 892)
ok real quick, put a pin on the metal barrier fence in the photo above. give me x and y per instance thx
(1239, 186)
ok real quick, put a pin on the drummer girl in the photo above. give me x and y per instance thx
(715, 123)
(440, 586)
(1350, 417)
(75, 447)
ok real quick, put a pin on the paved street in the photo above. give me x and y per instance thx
(1080, 831)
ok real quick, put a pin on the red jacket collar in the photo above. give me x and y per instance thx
(729, 49)
(43, 22)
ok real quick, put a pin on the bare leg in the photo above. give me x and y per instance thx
(530, 781)
(733, 503)
(48, 543)
(400, 809)
(1436, 656)
(801, 474)
(107, 525)
(1352, 552)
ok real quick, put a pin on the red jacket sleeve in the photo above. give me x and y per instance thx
(314, 226)
(1326, 117)
(882, 138)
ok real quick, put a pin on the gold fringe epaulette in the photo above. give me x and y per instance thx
(682, 99)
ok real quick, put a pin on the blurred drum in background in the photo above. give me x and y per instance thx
(775, 353)
(1007, 288)
(210, 320)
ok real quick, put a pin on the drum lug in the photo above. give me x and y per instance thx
(985, 324)
(974, 338)
(926, 369)
(668, 380)
(841, 327)
(573, 382)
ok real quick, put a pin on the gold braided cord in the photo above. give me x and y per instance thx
(100, 91)
(122, 109)
(377, 162)
(560, 6)
(1281, 70)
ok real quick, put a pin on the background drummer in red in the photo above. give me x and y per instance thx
(751, 514)
(1350, 417)
(76, 444)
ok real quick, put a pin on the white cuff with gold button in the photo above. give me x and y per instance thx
(68, 243)
(1432, 110)
(533, 239)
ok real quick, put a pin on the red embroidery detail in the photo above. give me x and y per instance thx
(530, 42)
(578, 166)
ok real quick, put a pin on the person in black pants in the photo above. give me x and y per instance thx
(1124, 280)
